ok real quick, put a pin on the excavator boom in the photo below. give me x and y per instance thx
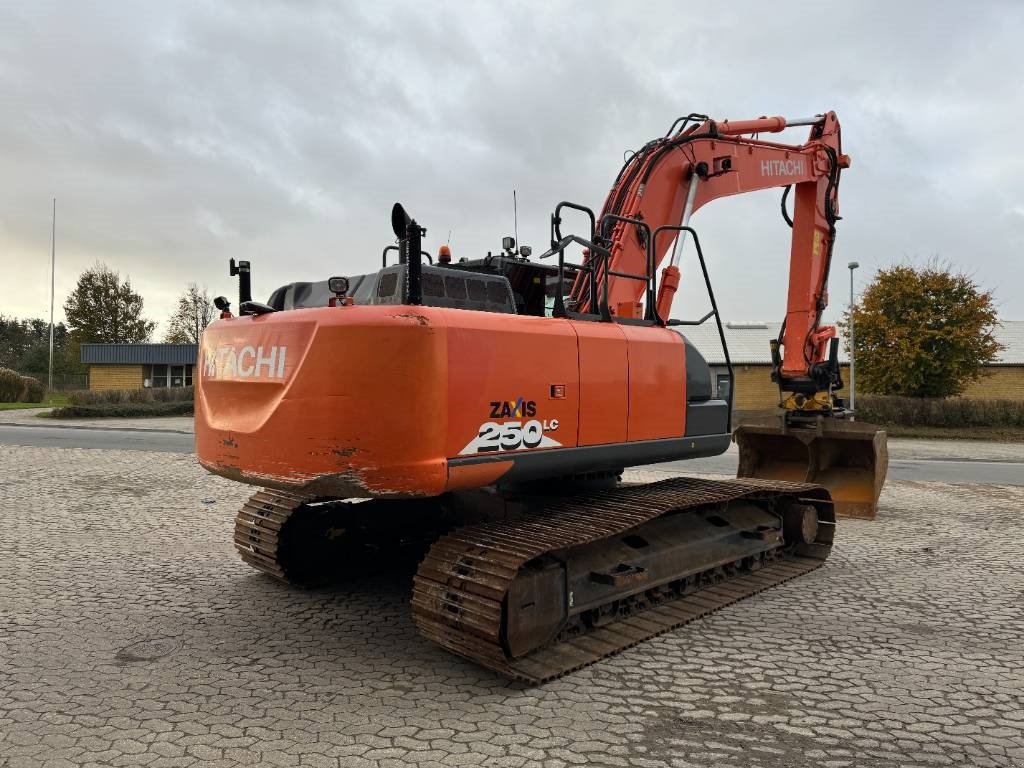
(669, 179)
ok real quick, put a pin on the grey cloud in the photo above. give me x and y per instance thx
(177, 135)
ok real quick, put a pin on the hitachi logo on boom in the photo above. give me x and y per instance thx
(782, 167)
(245, 363)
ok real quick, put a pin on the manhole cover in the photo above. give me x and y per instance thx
(148, 650)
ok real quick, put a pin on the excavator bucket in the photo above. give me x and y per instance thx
(848, 458)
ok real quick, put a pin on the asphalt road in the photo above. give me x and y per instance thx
(107, 439)
(935, 468)
(925, 469)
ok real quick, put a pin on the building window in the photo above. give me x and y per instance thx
(158, 376)
(170, 375)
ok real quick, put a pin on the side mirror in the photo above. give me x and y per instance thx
(222, 303)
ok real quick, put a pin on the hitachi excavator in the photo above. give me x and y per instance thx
(484, 411)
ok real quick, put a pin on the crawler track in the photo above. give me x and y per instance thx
(308, 542)
(460, 590)
(258, 530)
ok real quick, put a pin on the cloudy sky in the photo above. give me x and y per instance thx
(177, 135)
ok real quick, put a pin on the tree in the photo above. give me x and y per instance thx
(66, 359)
(15, 339)
(922, 332)
(25, 346)
(102, 309)
(195, 311)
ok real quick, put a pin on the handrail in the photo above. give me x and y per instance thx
(559, 248)
(384, 255)
(606, 222)
(675, 322)
(714, 306)
(556, 219)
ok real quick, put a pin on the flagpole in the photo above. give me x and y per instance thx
(53, 269)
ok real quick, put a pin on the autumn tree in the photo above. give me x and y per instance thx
(102, 309)
(922, 332)
(195, 311)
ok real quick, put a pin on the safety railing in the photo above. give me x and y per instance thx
(711, 296)
(597, 272)
(587, 269)
(596, 267)
(396, 249)
(607, 222)
(556, 219)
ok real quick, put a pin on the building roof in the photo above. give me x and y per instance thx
(139, 354)
(748, 342)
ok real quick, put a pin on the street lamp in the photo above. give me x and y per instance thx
(852, 266)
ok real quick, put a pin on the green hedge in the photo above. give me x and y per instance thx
(12, 386)
(34, 390)
(939, 412)
(127, 410)
(15, 388)
(138, 396)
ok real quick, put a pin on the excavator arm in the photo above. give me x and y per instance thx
(814, 438)
(701, 160)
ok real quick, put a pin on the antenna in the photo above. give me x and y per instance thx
(515, 218)
(449, 242)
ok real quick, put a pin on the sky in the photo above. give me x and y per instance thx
(177, 135)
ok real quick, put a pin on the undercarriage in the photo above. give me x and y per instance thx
(536, 586)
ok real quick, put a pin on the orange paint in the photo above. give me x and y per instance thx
(380, 400)
(368, 401)
(730, 161)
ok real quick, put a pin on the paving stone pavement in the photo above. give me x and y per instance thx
(131, 634)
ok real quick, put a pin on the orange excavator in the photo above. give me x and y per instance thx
(480, 414)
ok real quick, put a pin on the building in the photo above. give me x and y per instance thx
(750, 354)
(134, 366)
(1004, 379)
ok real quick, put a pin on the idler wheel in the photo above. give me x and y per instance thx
(800, 524)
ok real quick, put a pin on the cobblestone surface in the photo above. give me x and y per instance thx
(130, 634)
